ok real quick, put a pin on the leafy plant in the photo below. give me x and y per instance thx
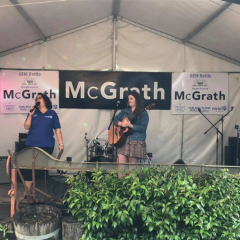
(5, 231)
(156, 203)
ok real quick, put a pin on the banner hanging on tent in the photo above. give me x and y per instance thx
(207, 92)
(102, 90)
(18, 89)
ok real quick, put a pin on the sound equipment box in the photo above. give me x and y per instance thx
(230, 155)
(19, 146)
(22, 137)
(232, 142)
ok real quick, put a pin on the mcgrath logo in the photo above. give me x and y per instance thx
(9, 108)
(179, 108)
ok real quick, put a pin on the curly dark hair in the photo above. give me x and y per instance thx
(139, 105)
(46, 99)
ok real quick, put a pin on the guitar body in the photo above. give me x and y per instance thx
(118, 135)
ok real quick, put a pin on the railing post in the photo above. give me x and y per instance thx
(13, 192)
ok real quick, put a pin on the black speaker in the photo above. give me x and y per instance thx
(232, 142)
(19, 146)
(22, 137)
(230, 155)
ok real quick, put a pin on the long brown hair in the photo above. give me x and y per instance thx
(46, 99)
(139, 105)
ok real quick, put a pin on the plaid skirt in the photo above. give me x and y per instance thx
(133, 148)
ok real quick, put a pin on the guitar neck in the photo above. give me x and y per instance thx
(142, 110)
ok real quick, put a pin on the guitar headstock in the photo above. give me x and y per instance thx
(150, 106)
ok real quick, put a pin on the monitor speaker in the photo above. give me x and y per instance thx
(230, 155)
(19, 146)
(22, 137)
(232, 142)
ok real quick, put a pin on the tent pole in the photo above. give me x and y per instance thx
(114, 44)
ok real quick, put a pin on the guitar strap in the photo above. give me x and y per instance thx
(135, 116)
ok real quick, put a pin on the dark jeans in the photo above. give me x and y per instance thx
(39, 174)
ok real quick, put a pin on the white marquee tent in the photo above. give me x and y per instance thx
(125, 35)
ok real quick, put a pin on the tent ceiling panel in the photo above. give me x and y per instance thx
(90, 49)
(14, 30)
(54, 17)
(140, 50)
(235, 7)
(170, 18)
(176, 18)
(222, 35)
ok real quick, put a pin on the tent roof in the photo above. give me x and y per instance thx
(208, 25)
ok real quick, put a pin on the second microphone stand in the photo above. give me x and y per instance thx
(112, 123)
(217, 131)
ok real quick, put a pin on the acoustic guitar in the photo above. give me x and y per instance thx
(118, 135)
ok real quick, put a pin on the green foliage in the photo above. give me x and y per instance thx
(155, 203)
(4, 231)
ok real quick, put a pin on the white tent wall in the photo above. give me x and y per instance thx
(200, 148)
(197, 61)
(137, 50)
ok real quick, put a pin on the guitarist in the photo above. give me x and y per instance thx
(137, 121)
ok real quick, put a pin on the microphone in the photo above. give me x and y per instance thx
(118, 102)
(199, 109)
(35, 106)
(232, 107)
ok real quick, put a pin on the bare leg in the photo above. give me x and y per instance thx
(121, 159)
(29, 185)
(132, 160)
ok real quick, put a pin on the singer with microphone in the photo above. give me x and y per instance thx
(41, 121)
(134, 147)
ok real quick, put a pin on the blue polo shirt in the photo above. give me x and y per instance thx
(41, 132)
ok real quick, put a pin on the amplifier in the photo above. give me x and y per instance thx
(3, 174)
(232, 142)
(19, 146)
(230, 155)
(22, 137)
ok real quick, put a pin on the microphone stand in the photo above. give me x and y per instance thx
(213, 125)
(86, 145)
(112, 123)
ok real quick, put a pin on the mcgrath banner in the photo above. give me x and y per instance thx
(102, 90)
(207, 92)
(18, 89)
